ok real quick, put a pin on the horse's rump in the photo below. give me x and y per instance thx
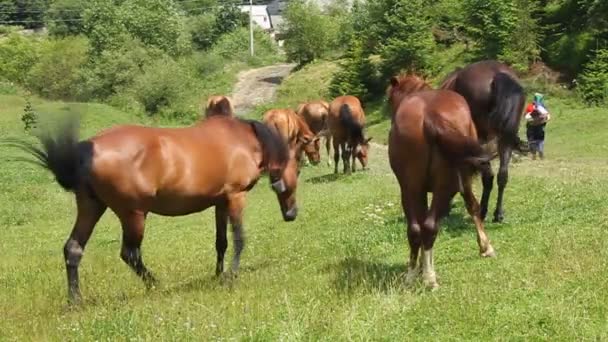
(354, 130)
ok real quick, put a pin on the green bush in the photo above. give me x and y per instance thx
(593, 86)
(162, 87)
(115, 70)
(234, 46)
(58, 72)
(203, 30)
(309, 33)
(18, 54)
(354, 72)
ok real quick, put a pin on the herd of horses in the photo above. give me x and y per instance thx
(438, 141)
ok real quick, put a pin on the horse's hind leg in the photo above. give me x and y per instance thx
(415, 207)
(132, 236)
(430, 228)
(487, 179)
(221, 244)
(328, 148)
(336, 155)
(89, 212)
(236, 204)
(485, 248)
(504, 151)
(346, 152)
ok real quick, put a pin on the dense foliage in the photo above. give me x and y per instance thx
(418, 34)
(149, 56)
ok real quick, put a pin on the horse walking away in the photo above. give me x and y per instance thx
(315, 114)
(136, 170)
(218, 105)
(496, 100)
(345, 122)
(433, 147)
(295, 132)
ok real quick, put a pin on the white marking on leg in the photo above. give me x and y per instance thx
(428, 272)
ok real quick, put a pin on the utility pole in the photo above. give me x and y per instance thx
(251, 26)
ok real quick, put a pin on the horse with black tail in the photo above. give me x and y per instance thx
(496, 99)
(136, 170)
(346, 121)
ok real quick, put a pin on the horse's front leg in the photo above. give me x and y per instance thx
(505, 151)
(236, 204)
(221, 243)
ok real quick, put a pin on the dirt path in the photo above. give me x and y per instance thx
(257, 86)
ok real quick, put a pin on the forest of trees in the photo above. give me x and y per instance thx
(378, 38)
(162, 56)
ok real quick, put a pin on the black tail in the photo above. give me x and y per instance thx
(509, 100)
(353, 128)
(457, 148)
(61, 153)
(274, 148)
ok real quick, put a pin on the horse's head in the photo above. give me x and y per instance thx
(308, 142)
(402, 86)
(361, 152)
(310, 145)
(282, 168)
(284, 182)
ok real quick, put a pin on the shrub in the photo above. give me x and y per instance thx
(309, 34)
(58, 72)
(235, 46)
(593, 86)
(163, 85)
(350, 78)
(18, 54)
(202, 30)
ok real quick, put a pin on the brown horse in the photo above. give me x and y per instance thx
(136, 170)
(346, 121)
(315, 114)
(433, 148)
(218, 105)
(295, 132)
(496, 100)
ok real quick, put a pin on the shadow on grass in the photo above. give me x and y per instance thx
(332, 177)
(354, 274)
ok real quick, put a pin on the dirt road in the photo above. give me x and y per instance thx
(257, 86)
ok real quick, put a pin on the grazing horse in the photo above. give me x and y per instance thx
(295, 132)
(432, 148)
(315, 114)
(218, 105)
(345, 122)
(496, 100)
(136, 170)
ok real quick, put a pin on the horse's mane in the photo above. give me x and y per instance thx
(274, 149)
(407, 84)
(448, 82)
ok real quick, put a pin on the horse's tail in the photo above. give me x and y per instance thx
(353, 128)
(274, 148)
(509, 99)
(457, 148)
(61, 153)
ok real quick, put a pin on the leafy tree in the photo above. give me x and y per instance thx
(594, 79)
(309, 33)
(26, 13)
(18, 54)
(64, 17)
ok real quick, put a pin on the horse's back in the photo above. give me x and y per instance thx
(283, 121)
(152, 168)
(314, 114)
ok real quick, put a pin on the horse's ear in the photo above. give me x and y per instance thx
(304, 140)
(394, 81)
(224, 106)
(368, 140)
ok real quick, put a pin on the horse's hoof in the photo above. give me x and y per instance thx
(498, 218)
(490, 253)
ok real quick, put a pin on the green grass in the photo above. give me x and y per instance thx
(336, 273)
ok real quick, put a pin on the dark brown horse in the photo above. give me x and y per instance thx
(346, 121)
(218, 105)
(433, 148)
(136, 170)
(295, 132)
(496, 100)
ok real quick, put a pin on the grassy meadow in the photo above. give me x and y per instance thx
(336, 273)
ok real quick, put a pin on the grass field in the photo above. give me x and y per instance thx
(336, 273)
